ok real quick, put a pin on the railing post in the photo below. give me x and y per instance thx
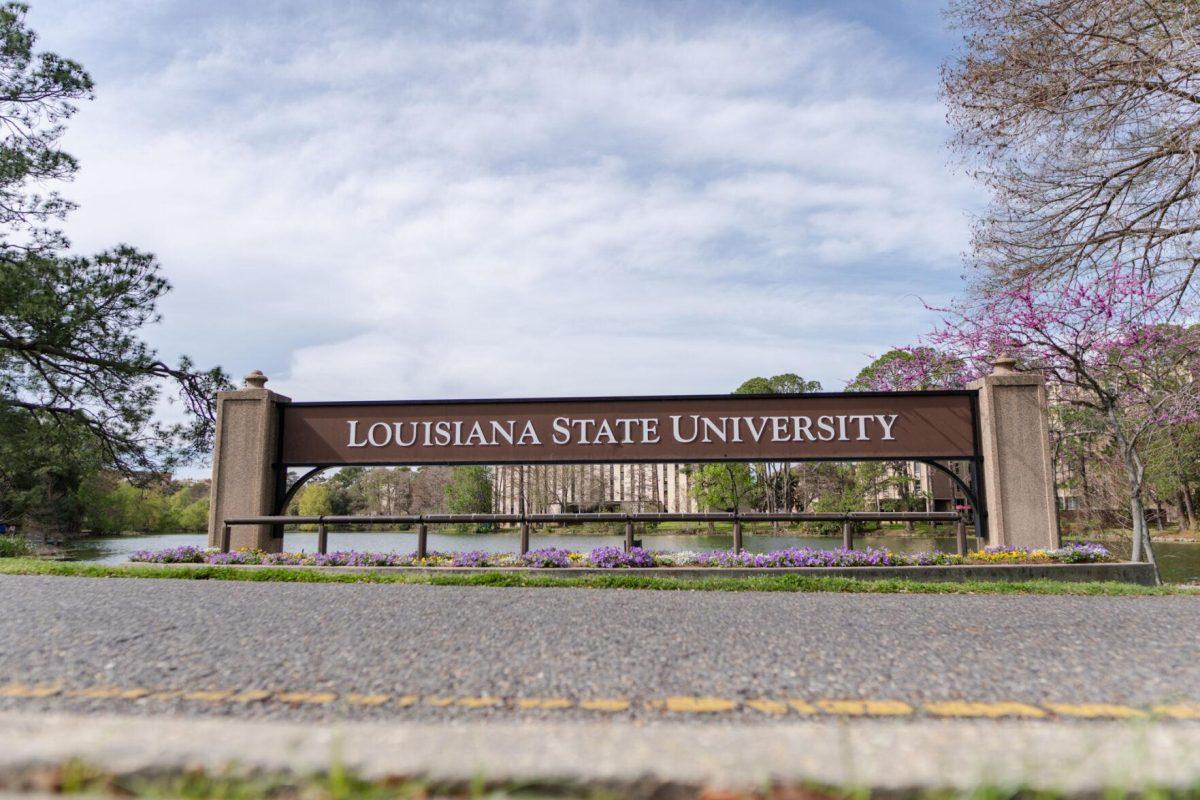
(226, 537)
(960, 534)
(847, 534)
(737, 535)
(322, 538)
(524, 535)
(628, 536)
(422, 539)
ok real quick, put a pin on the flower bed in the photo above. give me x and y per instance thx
(638, 558)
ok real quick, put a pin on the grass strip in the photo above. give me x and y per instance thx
(617, 580)
(77, 779)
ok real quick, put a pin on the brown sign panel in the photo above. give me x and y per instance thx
(676, 429)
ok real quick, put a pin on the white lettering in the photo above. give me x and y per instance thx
(399, 439)
(353, 430)
(887, 421)
(529, 433)
(711, 427)
(604, 430)
(675, 428)
(757, 434)
(499, 431)
(387, 434)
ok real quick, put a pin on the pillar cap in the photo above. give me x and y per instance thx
(255, 380)
(1004, 365)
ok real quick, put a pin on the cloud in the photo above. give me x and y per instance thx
(521, 199)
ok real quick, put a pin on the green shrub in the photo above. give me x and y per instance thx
(13, 546)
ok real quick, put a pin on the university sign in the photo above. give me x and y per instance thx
(997, 426)
(625, 430)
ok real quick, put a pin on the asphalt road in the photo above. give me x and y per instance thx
(311, 651)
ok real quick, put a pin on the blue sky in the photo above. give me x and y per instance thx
(413, 200)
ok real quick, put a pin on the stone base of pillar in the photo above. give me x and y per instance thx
(245, 478)
(1018, 471)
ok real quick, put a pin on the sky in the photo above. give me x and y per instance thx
(444, 200)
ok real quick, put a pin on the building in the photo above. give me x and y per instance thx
(591, 488)
(925, 487)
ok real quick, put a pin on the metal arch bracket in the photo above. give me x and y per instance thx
(972, 496)
(295, 487)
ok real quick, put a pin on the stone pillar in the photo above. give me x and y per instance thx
(245, 477)
(1018, 472)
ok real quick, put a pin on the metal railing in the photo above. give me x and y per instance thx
(423, 521)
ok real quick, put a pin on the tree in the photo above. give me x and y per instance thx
(469, 490)
(727, 486)
(910, 368)
(1081, 117)
(778, 483)
(315, 500)
(1105, 342)
(73, 369)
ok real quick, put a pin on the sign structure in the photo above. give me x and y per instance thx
(857, 425)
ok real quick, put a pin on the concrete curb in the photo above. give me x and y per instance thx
(1122, 571)
(873, 753)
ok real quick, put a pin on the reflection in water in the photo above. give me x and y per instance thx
(1179, 561)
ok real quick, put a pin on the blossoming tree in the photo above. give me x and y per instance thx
(1109, 343)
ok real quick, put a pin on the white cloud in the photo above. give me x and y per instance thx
(560, 204)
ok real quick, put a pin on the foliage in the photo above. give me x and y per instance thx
(1105, 342)
(469, 490)
(13, 546)
(114, 505)
(787, 383)
(315, 500)
(78, 387)
(911, 368)
(726, 486)
(636, 558)
(610, 579)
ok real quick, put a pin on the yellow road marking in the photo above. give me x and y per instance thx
(683, 704)
(1179, 711)
(27, 690)
(479, 702)
(1095, 710)
(107, 693)
(694, 705)
(957, 708)
(862, 708)
(250, 696)
(604, 704)
(213, 696)
(316, 698)
(544, 702)
(768, 706)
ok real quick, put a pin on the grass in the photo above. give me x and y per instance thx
(616, 580)
(12, 546)
(76, 778)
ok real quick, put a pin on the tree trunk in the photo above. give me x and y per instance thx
(1187, 506)
(1134, 471)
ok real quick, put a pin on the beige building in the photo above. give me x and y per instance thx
(584, 488)
(929, 489)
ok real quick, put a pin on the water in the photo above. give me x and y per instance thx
(1179, 561)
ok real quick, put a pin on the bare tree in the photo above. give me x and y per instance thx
(1083, 118)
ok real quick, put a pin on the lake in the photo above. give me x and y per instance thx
(1179, 561)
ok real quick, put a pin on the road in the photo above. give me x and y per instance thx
(320, 651)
